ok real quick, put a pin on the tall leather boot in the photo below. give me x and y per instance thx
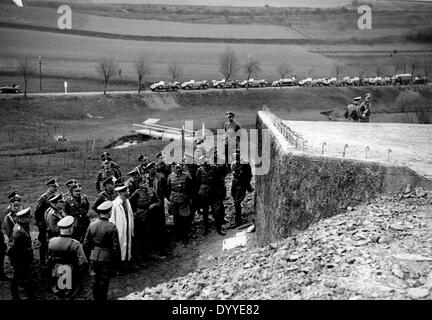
(3, 277)
(206, 221)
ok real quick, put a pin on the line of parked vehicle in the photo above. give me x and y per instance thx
(399, 79)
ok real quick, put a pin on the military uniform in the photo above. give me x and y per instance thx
(231, 127)
(78, 208)
(141, 169)
(363, 111)
(64, 250)
(207, 179)
(163, 168)
(103, 174)
(132, 185)
(101, 246)
(102, 197)
(52, 217)
(3, 248)
(145, 204)
(42, 206)
(10, 220)
(351, 111)
(21, 257)
(242, 175)
(179, 190)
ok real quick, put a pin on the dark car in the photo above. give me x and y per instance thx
(165, 86)
(420, 80)
(14, 89)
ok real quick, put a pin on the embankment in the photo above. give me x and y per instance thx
(301, 188)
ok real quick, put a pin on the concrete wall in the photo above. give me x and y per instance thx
(301, 189)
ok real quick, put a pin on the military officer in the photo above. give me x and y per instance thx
(3, 248)
(107, 155)
(132, 183)
(54, 214)
(351, 109)
(161, 165)
(145, 204)
(106, 172)
(158, 183)
(179, 190)
(41, 206)
(77, 206)
(242, 175)
(21, 255)
(70, 183)
(64, 251)
(207, 180)
(10, 212)
(363, 110)
(108, 194)
(231, 127)
(143, 160)
(101, 246)
(221, 191)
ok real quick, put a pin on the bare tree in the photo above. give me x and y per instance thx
(26, 68)
(427, 67)
(142, 68)
(228, 64)
(397, 62)
(362, 69)
(283, 69)
(414, 64)
(175, 70)
(310, 72)
(251, 68)
(106, 67)
(338, 69)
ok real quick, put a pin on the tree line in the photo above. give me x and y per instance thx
(229, 66)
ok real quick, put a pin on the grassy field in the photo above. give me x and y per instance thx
(77, 55)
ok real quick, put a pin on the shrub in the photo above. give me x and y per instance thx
(408, 100)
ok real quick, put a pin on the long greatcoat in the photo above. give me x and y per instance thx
(125, 226)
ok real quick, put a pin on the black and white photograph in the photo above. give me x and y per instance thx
(217, 155)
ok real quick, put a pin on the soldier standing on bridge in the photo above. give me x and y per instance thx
(364, 109)
(351, 111)
(42, 206)
(231, 127)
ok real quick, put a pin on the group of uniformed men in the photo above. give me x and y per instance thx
(131, 210)
(359, 110)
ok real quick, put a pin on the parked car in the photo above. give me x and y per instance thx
(13, 89)
(319, 82)
(401, 79)
(331, 82)
(305, 82)
(420, 80)
(228, 84)
(257, 83)
(355, 81)
(345, 81)
(287, 82)
(192, 84)
(165, 86)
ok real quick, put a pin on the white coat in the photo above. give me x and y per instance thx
(124, 226)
